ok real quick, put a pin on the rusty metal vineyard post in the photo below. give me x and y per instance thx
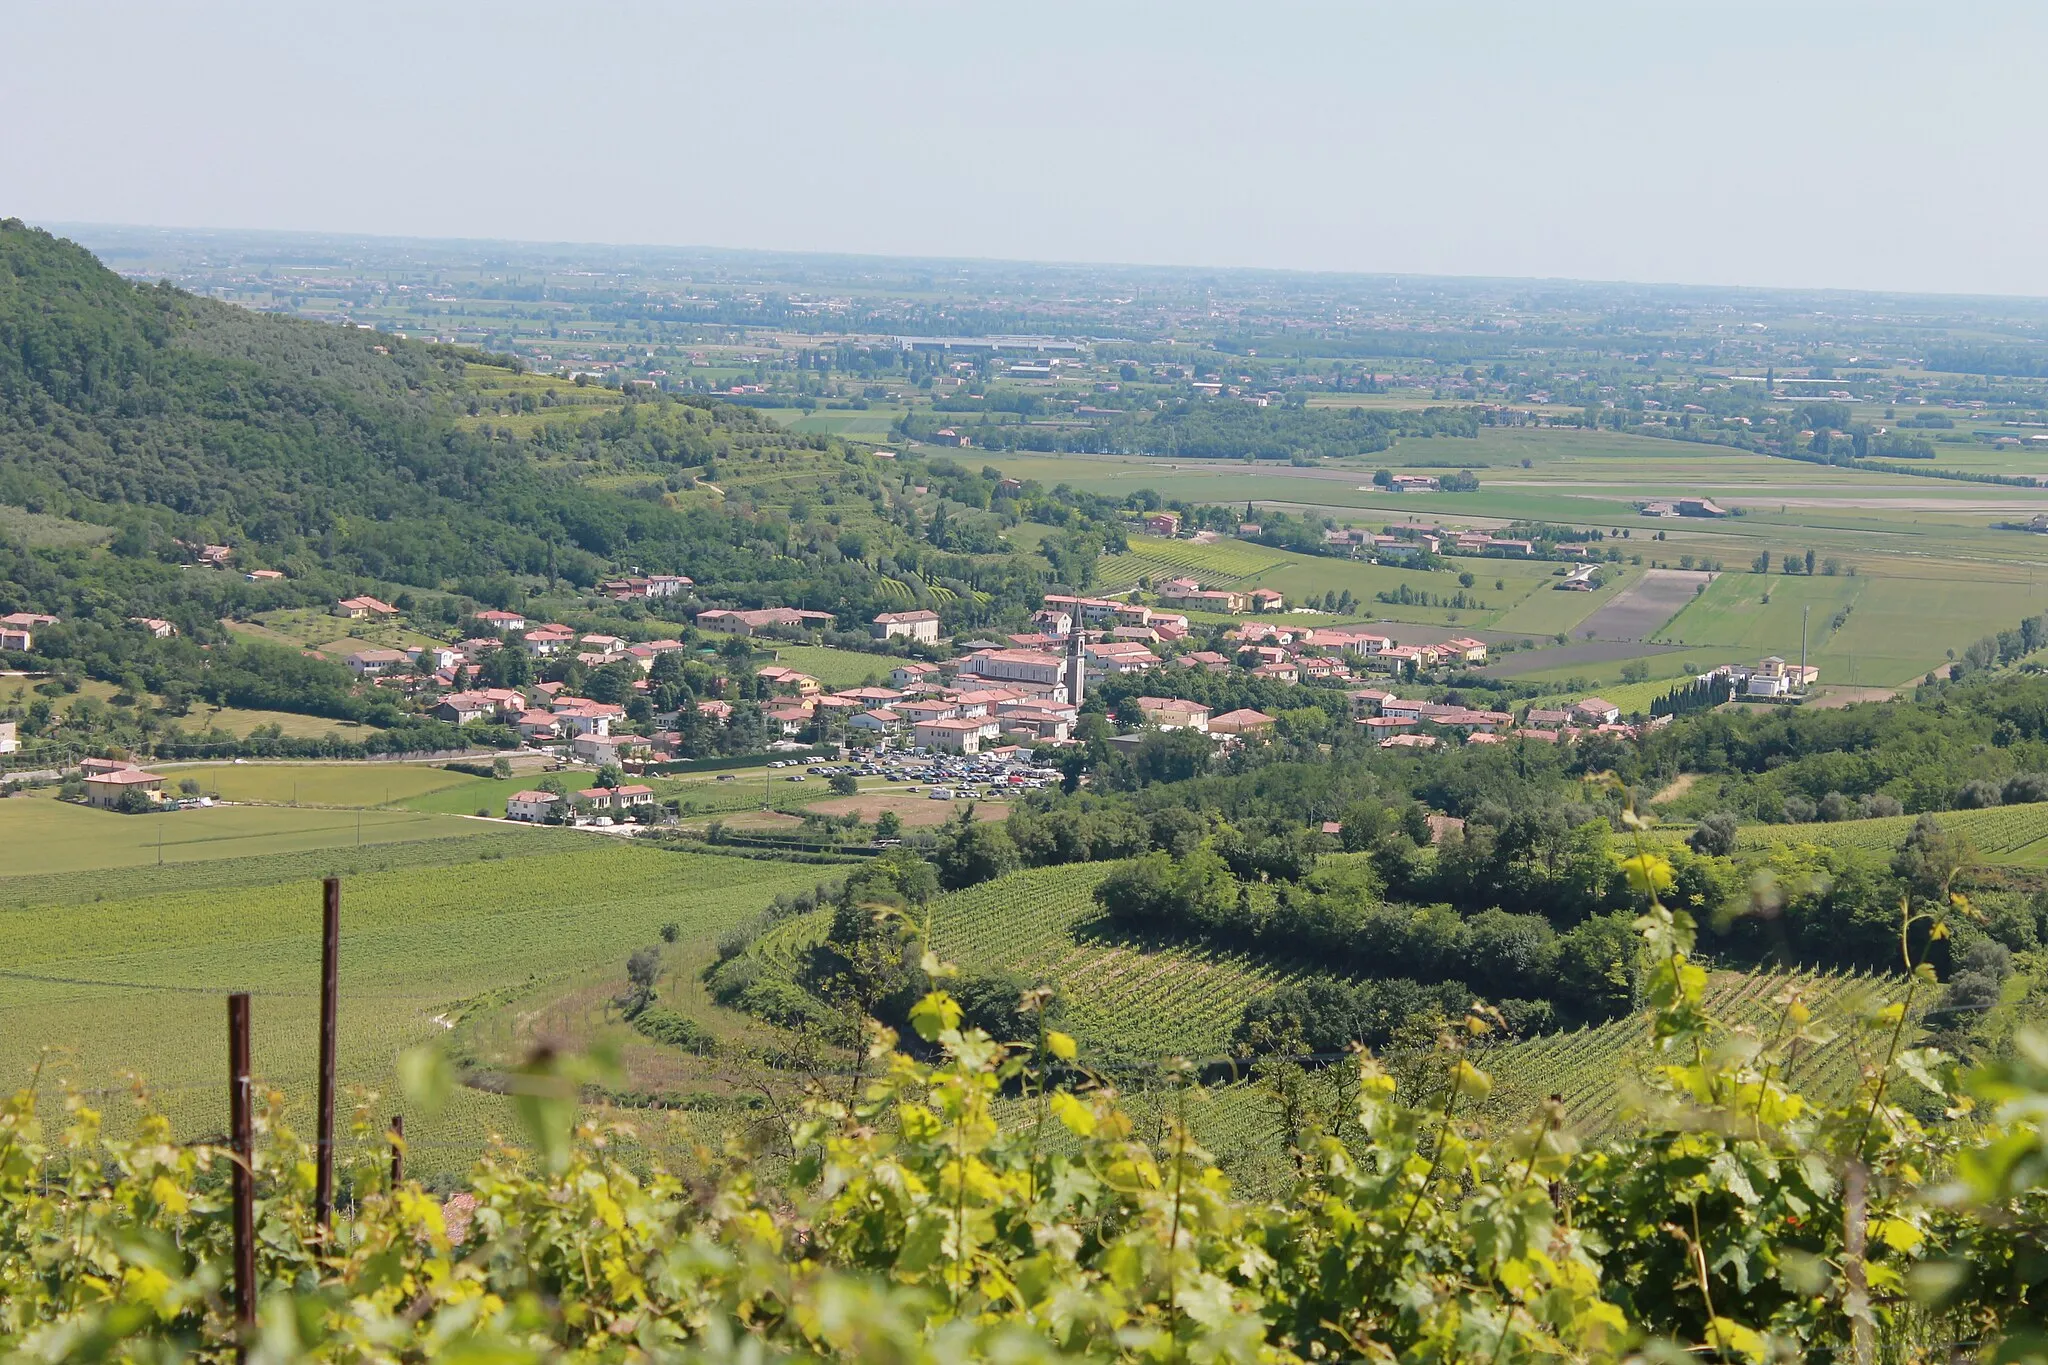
(330, 969)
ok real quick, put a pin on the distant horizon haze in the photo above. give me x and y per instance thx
(1881, 147)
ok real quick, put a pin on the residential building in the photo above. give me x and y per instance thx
(1119, 656)
(460, 708)
(1203, 599)
(1265, 599)
(160, 629)
(782, 675)
(1053, 623)
(1368, 701)
(362, 608)
(103, 790)
(881, 720)
(921, 626)
(1240, 722)
(502, 621)
(750, 622)
(10, 736)
(598, 750)
(542, 641)
(264, 576)
(613, 800)
(366, 663)
(1163, 523)
(912, 674)
(959, 735)
(535, 807)
(1172, 713)
(1595, 711)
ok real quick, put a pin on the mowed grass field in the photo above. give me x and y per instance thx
(319, 784)
(835, 668)
(42, 835)
(94, 990)
(1896, 628)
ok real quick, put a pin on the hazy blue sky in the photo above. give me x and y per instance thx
(1796, 143)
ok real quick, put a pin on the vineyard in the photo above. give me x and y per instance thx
(2001, 834)
(1596, 1070)
(1126, 1001)
(96, 990)
(1220, 564)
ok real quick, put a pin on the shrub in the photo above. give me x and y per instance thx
(664, 1025)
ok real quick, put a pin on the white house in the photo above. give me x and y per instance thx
(533, 806)
(922, 626)
(367, 662)
(959, 735)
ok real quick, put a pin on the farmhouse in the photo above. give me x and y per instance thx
(104, 790)
(918, 625)
(361, 608)
(1163, 523)
(158, 628)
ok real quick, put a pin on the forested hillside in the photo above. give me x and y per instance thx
(169, 416)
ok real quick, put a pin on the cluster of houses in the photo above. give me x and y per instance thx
(1401, 723)
(1404, 541)
(627, 801)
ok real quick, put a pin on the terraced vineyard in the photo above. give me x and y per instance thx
(1126, 1001)
(2001, 834)
(1223, 563)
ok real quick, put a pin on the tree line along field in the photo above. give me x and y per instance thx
(97, 989)
(1526, 601)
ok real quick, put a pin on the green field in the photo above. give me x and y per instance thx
(1895, 628)
(319, 784)
(836, 668)
(1525, 601)
(43, 835)
(101, 988)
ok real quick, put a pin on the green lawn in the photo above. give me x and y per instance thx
(43, 835)
(836, 668)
